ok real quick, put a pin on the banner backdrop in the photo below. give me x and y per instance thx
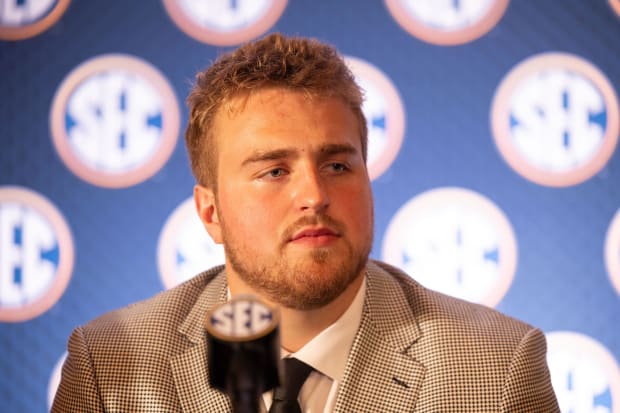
(493, 154)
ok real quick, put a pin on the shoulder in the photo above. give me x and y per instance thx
(444, 314)
(136, 344)
(159, 314)
(464, 345)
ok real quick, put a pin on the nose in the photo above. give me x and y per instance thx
(310, 191)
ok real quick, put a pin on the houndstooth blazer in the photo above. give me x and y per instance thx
(415, 351)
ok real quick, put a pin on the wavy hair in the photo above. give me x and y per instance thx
(294, 63)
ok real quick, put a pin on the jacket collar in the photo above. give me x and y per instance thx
(381, 374)
(189, 367)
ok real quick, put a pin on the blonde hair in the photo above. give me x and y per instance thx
(298, 64)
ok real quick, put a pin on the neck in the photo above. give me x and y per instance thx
(298, 327)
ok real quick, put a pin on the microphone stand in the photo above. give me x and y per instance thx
(243, 384)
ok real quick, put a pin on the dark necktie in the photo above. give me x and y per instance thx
(285, 397)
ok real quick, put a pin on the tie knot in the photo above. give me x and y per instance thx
(295, 374)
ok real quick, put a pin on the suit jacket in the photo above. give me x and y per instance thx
(415, 351)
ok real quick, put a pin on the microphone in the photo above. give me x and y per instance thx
(243, 350)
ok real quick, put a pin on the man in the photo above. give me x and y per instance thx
(277, 142)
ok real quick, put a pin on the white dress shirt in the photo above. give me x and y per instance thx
(327, 353)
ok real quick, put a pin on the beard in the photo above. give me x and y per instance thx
(308, 282)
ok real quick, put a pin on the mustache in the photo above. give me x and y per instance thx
(313, 220)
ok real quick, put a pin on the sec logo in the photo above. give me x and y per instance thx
(447, 22)
(21, 19)
(455, 241)
(584, 374)
(242, 318)
(36, 254)
(224, 22)
(615, 5)
(114, 121)
(54, 381)
(384, 114)
(555, 119)
(612, 251)
(185, 248)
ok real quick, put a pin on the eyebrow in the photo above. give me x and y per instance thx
(338, 148)
(289, 153)
(270, 155)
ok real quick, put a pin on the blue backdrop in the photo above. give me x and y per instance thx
(496, 175)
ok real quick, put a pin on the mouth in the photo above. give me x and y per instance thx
(314, 235)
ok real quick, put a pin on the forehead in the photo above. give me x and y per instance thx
(281, 111)
(269, 99)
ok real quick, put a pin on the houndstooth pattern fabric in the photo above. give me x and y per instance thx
(415, 351)
(421, 351)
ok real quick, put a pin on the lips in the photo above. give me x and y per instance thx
(314, 233)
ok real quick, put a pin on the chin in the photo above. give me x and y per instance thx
(317, 289)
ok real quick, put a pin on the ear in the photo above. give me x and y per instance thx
(204, 198)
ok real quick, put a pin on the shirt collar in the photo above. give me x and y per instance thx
(329, 350)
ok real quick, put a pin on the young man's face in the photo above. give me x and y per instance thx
(293, 206)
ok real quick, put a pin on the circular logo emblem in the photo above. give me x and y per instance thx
(612, 252)
(114, 121)
(185, 248)
(447, 22)
(54, 380)
(36, 254)
(615, 5)
(454, 241)
(21, 19)
(555, 119)
(384, 113)
(584, 374)
(224, 22)
(241, 318)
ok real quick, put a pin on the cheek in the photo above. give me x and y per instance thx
(358, 198)
(356, 207)
(251, 218)
(364, 206)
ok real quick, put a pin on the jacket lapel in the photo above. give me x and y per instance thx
(189, 368)
(380, 374)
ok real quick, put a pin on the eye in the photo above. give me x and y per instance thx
(338, 167)
(275, 173)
